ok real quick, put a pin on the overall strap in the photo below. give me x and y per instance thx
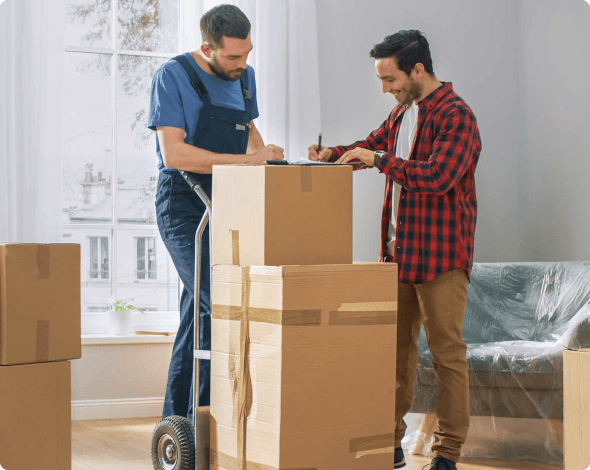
(194, 78)
(245, 91)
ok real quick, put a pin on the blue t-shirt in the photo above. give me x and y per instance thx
(175, 103)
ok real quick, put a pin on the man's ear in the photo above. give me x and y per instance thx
(419, 69)
(206, 49)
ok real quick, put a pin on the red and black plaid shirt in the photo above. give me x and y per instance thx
(438, 207)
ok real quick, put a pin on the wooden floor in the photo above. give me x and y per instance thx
(124, 444)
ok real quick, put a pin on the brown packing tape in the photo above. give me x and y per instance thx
(305, 178)
(235, 247)
(370, 444)
(42, 345)
(359, 318)
(43, 260)
(244, 378)
(269, 315)
(221, 461)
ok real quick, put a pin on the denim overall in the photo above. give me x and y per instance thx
(179, 211)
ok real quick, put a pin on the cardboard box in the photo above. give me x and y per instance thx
(39, 303)
(576, 416)
(280, 215)
(35, 411)
(317, 345)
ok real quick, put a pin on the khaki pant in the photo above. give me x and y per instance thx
(439, 305)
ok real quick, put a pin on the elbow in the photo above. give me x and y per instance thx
(438, 183)
(169, 158)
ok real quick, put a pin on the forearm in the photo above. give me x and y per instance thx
(255, 141)
(197, 160)
(340, 150)
(439, 173)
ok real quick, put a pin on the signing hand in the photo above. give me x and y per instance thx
(323, 156)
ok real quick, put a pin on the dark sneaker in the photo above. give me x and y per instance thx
(440, 463)
(399, 460)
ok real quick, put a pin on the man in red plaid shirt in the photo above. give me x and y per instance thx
(428, 149)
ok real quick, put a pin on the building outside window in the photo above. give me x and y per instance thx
(99, 257)
(146, 258)
(113, 48)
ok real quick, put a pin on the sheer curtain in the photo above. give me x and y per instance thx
(285, 59)
(31, 71)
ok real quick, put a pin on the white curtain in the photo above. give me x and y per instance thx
(285, 59)
(31, 71)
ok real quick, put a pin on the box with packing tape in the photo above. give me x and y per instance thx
(39, 303)
(269, 215)
(35, 411)
(303, 367)
(576, 415)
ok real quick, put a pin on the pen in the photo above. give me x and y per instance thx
(319, 146)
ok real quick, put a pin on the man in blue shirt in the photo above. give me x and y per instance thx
(202, 107)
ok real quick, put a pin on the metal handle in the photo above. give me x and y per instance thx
(199, 356)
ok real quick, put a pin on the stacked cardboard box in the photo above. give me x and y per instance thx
(576, 416)
(303, 354)
(39, 335)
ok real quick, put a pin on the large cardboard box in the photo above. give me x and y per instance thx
(269, 215)
(35, 416)
(303, 367)
(39, 303)
(576, 416)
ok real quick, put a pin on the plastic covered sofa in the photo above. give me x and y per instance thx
(518, 319)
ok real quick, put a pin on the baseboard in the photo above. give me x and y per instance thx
(115, 409)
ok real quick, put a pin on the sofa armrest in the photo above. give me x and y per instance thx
(579, 337)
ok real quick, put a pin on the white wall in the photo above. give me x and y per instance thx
(120, 377)
(554, 39)
(473, 44)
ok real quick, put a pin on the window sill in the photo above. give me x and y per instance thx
(102, 339)
(95, 324)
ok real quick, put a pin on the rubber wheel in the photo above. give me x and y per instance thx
(173, 444)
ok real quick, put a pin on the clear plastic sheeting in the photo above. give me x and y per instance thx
(518, 320)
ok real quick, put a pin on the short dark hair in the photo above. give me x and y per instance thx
(224, 20)
(408, 47)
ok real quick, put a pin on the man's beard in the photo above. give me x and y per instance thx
(218, 70)
(410, 92)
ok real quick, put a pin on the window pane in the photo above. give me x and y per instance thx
(145, 272)
(93, 247)
(136, 144)
(141, 258)
(99, 265)
(152, 264)
(148, 25)
(87, 164)
(88, 23)
(104, 258)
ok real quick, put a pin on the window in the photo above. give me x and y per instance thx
(146, 258)
(95, 309)
(113, 48)
(99, 257)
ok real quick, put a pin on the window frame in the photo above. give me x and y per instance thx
(114, 226)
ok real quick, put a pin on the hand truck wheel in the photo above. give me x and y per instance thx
(173, 445)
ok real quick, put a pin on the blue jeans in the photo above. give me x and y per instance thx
(179, 211)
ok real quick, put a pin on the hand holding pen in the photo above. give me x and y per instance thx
(317, 153)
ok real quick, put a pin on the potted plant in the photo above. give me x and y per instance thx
(119, 315)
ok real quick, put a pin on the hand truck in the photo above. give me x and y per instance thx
(177, 442)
